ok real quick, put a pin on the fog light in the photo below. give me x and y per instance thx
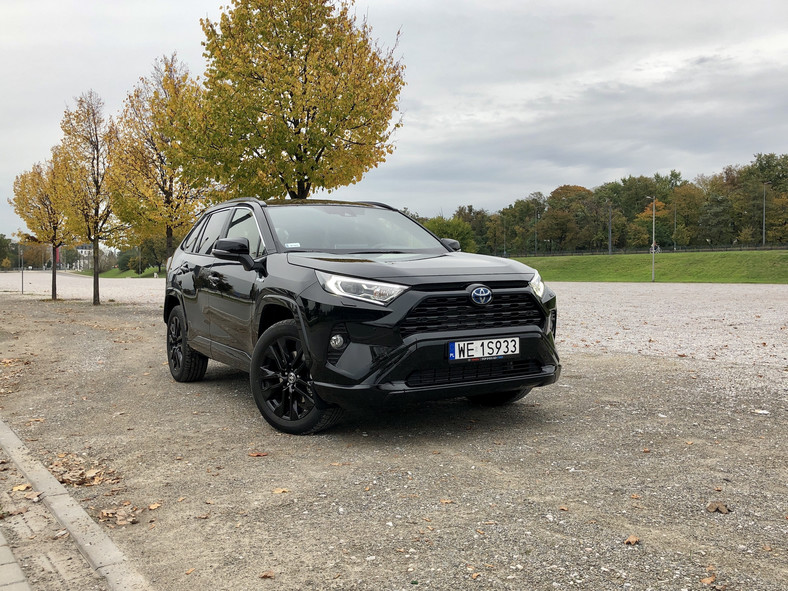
(337, 342)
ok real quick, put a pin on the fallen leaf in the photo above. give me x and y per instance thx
(718, 507)
(647, 451)
(562, 508)
(269, 574)
(279, 491)
(475, 576)
(190, 571)
(258, 454)
(634, 496)
(447, 501)
(154, 506)
(632, 540)
(709, 580)
(21, 487)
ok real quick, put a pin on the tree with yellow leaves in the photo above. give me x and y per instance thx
(89, 139)
(297, 96)
(40, 203)
(152, 195)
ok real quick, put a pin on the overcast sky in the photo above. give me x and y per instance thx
(503, 98)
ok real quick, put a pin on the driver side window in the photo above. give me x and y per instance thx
(244, 225)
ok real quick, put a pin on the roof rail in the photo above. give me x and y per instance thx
(384, 205)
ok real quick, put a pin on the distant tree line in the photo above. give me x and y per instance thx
(726, 209)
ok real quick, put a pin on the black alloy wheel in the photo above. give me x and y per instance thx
(282, 384)
(186, 364)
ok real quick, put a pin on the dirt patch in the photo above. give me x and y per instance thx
(600, 481)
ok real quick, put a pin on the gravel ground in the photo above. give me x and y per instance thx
(672, 402)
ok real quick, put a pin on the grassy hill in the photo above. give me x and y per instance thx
(769, 266)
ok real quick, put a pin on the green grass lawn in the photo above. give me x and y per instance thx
(767, 266)
(752, 266)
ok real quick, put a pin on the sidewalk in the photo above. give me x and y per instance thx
(104, 558)
(11, 576)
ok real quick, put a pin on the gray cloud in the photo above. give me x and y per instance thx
(504, 98)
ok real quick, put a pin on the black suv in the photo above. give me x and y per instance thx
(330, 305)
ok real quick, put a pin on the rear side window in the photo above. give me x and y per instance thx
(190, 241)
(211, 232)
(243, 225)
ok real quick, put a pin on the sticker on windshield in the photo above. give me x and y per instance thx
(293, 245)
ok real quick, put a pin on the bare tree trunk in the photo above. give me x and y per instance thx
(170, 249)
(96, 299)
(54, 273)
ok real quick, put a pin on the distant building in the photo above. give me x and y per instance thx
(85, 259)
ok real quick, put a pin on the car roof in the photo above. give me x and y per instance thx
(280, 202)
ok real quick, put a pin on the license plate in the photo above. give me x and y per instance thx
(483, 349)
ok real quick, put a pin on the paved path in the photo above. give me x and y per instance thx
(72, 286)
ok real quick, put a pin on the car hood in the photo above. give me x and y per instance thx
(451, 266)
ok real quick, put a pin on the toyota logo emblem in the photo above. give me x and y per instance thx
(481, 296)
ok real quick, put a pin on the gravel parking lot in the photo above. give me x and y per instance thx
(658, 461)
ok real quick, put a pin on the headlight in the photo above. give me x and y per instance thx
(537, 285)
(367, 290)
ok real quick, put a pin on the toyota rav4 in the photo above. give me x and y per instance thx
(329, 305)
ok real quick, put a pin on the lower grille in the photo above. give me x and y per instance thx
(472, 372)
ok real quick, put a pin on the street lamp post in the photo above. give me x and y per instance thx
(653, 232)
(609, 228)
(764, 212)
(503, 217)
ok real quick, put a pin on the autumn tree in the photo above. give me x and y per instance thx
(654, 213)
(40, 203)
(298, 96)
(478, 220)
(453, 228)
(88, 141)
(519, 223)
(152, 195)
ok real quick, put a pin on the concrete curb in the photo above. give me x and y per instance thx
(101, 553)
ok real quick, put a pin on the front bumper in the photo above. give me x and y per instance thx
(401, 352)
(420, 370)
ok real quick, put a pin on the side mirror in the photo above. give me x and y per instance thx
(451, 244)
(234, 249)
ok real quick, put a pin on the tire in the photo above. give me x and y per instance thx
(282, 383)
(186, 364)
(499, 398)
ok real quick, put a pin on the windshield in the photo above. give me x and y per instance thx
(350, 229)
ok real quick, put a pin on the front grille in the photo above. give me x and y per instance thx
(456, 312)
(472, 372)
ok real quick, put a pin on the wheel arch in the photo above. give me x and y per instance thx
(278, 308)
(170, 301)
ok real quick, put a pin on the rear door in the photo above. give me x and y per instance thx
(195, 277)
